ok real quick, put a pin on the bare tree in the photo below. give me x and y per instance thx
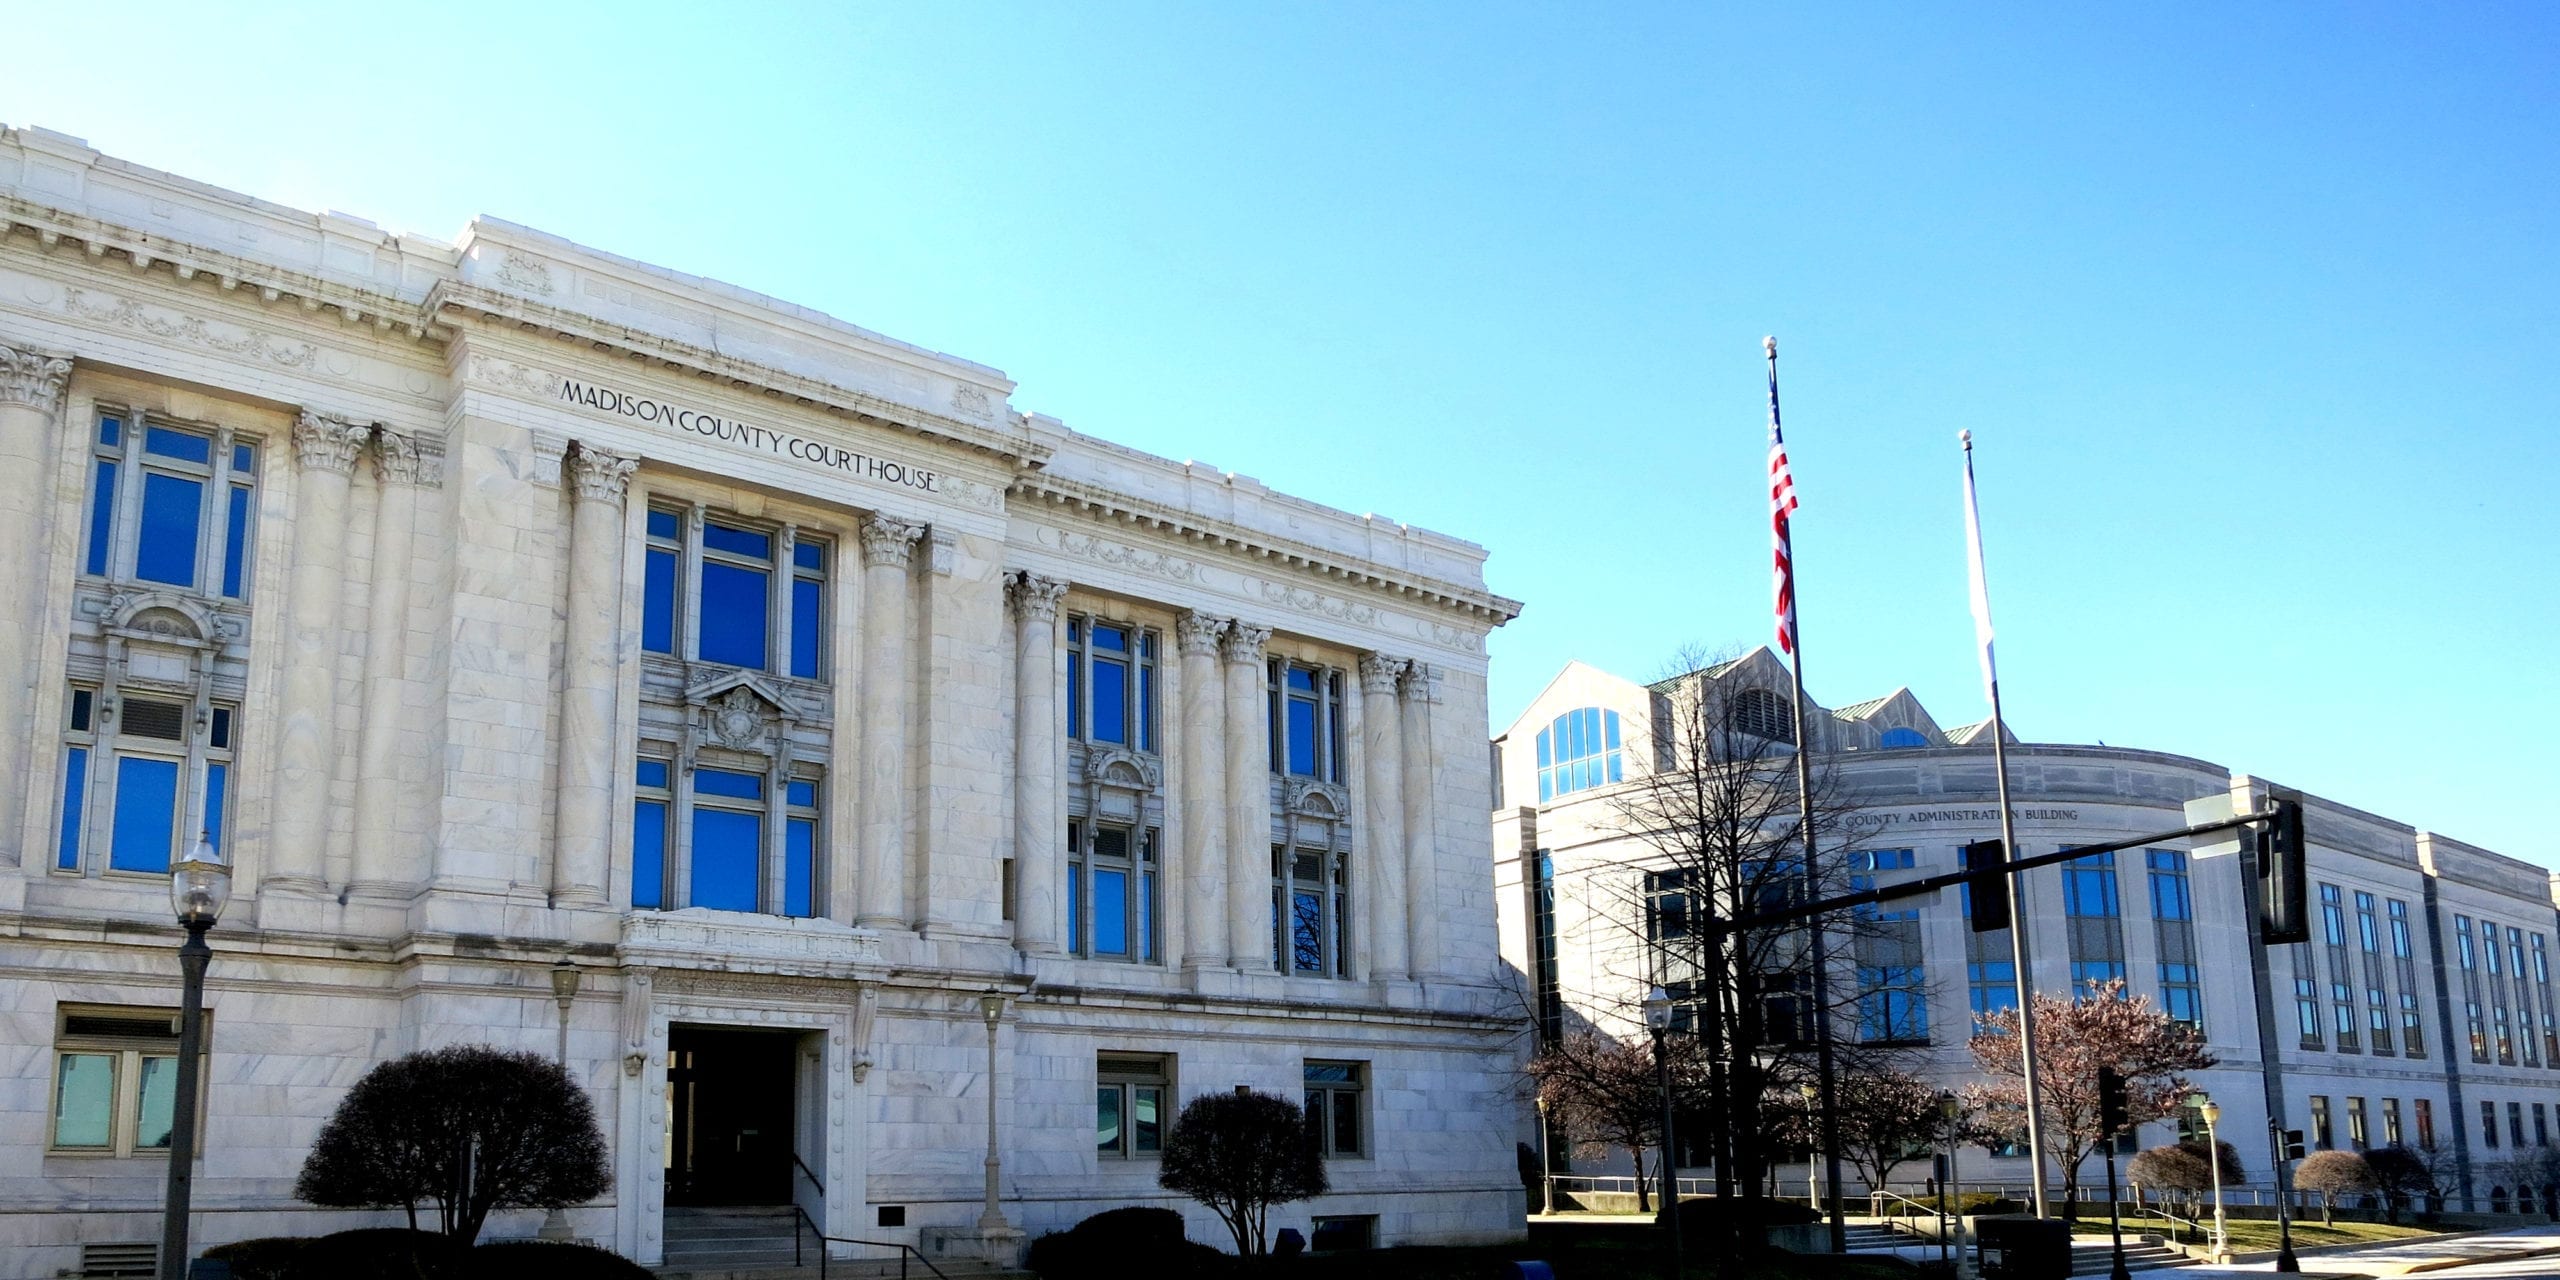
(1717, 814)
(2400, 1175)
(1887, 1116)
(2100, 1028)
(2331, 1174)
(2181, 1173)
(1607, 1092)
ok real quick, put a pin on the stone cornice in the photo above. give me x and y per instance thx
(53, 228)
(455, 305)
(1106, 507)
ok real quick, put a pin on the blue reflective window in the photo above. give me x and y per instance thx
(658, 601)
(172, 517)
(1306, 931)
(1147, 697)
(735, 610)
(736, 541)
(244, 459)
(185, 446)
(235, 541)
(1110, 912)
(804, 628)
(1901, 737)
(1075, 908)
(110, 432)
(649, 851)
(80, 703)
(217, 787)
(722, 782)
(652, 773)
(1075, 692)
(102, 516)
(146, 814)
(1302, 735)
(809, 555)
(2089, 886)
(1110, 695)
(75, 796)
(663, 524)
(1147, 909)
(727, 854)
(801, 795)
(1579, 750)
(799, 866)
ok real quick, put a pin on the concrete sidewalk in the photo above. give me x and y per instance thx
(2411, 1257)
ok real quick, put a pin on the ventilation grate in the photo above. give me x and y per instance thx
(121, 1258)
(166, 721)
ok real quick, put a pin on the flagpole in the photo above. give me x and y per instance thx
(1828, 1079)
(2018, 917)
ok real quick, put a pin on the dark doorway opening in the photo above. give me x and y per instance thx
(729, 1130)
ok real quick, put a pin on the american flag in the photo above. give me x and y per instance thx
(1782, 503)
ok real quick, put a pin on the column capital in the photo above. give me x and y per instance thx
(33, 378)
(598, 476)
(1421, 682)
(888, 542)
(399, 458)
(1034, 597)
(1243, 642)
(325, 443)
(1197, 634)
(1379, 673)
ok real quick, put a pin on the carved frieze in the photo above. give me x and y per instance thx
(694, 940)
(176, 326)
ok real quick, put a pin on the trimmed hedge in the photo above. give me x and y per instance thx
(397, 1253)
(264, 1258)
(551, 1260)
(1134, 1241)
(378, 1253)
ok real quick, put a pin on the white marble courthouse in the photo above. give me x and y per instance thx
(2420, 1013)
(499, 602)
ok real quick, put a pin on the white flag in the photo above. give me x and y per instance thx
(1973, 570)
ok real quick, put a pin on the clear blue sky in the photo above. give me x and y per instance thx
(2253, 310)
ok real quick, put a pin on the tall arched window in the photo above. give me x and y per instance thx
(1760, 713)
(1579, 750)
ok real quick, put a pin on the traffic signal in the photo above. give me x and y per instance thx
(2114, 1113)
(2284, 911)
(2292, 1144)
(1987, 890)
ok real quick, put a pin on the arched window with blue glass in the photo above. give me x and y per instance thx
(1578, 751)
(1898, 736)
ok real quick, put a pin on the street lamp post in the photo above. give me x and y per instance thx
(992, 1005)
(1812, 1147)
(1657, 1017)
(199, 887)
(565, 978)
(1951, 1110)
(2212, 1113)
(1546, 1160)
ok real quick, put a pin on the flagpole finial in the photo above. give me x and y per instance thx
(1770, 345)
(1966, 436)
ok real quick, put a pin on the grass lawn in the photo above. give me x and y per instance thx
(2253, 1233)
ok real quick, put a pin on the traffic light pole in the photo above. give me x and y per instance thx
(2271, 1061)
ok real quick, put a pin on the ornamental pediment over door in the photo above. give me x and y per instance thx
(1121, 781)
(740, 712)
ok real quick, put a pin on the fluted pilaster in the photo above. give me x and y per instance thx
(402, 465)
(1202, 874)
(325, 451)
(31, 385)
(1249, 929)
(1038, 747)
(581, 857)
(888, 546)
(1421, 838)
(1382, 835)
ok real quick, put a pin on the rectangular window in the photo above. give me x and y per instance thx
(1310, 912)
(2333, 924)
(744, 847)
(2515, 1123)
(1129, 1096)
(2321, 1137)
(800, 848)
(721, 589)
(171, 505)
(1893, 1003)
(1335, 1114)
(2306, 1009)
(1114, 904)
(2541, 1126)
(2357, 1135)
(2094, 917)
(2413, 1036)
(115, 1079)
(2424, 1111)
(1990, 974)
(2174, 935)
(1111, 683)
(2477, 1025)
(728, 840)
(2391, 1122)
(652, 800)
(2377, 993)
(2489, 1125)
(1306, 720)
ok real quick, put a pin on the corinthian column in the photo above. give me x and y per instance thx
(1037, 835)
(31, 385)
(400, 469)
(325, 450)
(1203, 873)
(887, 545)
(1382, 837)
(1421, 840)
(1249, 928)
(590, 677)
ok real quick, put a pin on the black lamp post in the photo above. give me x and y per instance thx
(199, 887)
(1657, 1017)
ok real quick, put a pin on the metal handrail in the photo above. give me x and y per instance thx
(811, 1174)
(904, 1249)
